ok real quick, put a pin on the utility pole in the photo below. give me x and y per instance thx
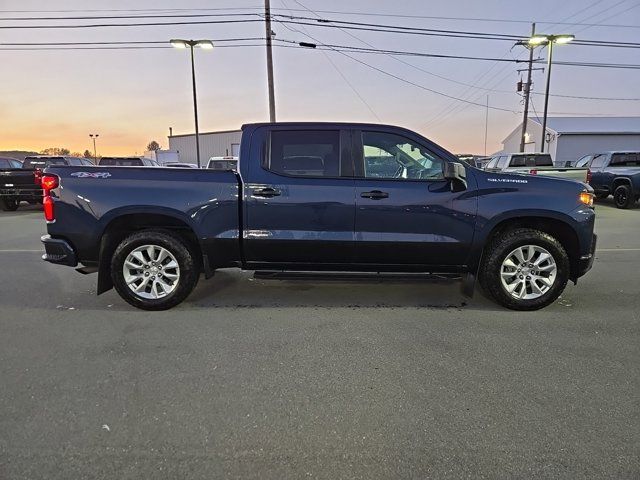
(527, 91)
(486, 126)
(268, 33)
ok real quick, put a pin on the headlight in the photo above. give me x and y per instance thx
(586, 198)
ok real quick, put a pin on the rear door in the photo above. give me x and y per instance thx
(407, 217)
(299, 197)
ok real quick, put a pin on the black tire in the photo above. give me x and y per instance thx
(499, 249)
(602, 195)
(623, 197)
(9, 204)
(189, 270)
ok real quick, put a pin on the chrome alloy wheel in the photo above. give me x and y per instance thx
(151, 272)
(528, 272)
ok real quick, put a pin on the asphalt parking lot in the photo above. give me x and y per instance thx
(262, 378)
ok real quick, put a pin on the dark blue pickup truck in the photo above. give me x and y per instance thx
(321, 197)
(617, 174)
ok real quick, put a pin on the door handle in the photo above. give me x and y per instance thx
(267, 192)
(375, 195)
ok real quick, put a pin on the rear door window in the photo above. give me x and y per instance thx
(598, 161)
(305, 153)
(502, 161)
(625, 160)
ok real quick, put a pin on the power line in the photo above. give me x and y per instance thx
(337, 12)
(147, 24)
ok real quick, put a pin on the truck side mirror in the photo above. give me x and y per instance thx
(456, 174)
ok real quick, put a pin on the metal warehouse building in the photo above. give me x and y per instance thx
(569, 138)
(212, 144)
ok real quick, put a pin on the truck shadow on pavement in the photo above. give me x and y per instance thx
(235, 289)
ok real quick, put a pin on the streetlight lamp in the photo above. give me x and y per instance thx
(548, 40)
(94, 136)
(207, 45)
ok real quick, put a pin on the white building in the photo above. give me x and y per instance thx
(212, 144)
(569, 138)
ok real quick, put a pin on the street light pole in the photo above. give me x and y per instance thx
(195, 105)
(206, 44)
(94, 136)
(548, 40)
(546, 94)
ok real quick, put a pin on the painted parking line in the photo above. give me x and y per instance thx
(598, 250)
(17, 250)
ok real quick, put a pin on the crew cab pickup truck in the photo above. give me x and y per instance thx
(321, 197)
(534, 164)
(617, 174)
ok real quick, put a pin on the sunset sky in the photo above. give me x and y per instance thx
(55, 98)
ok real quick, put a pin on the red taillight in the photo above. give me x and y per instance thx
(588, 175)
(533, 172)
(49, 182)
(47, 203)
(37, 176)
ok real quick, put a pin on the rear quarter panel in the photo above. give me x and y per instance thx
(85, 203)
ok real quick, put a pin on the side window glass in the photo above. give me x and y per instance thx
(492, 163)
(598, 161)
(502, 161)
(387, 155)
(305, 153)
(5, 163)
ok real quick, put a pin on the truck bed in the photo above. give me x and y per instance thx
(205, 201)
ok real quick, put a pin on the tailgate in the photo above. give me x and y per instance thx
(16, 177)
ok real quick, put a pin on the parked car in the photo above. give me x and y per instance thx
(179, 165)
(10, 183)
(533, 163)
(223, 163)
(321, 196)
(127, 162)
(21, 181)
(615, 173)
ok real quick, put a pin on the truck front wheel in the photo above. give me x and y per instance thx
(154, 270)
(524, 269)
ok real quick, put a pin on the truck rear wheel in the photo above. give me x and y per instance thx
(623, 197)
(9, 204)
(524, 269)
(154, 270)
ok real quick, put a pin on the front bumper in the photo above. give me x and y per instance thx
(586, 261)
(58, 251)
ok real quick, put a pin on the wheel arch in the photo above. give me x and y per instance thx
(118, 224)
(552, 223)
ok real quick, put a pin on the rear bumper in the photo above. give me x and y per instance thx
(58, 251)
(586, 261)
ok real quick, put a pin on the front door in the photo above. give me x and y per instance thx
(406, 212)
(299, 201)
